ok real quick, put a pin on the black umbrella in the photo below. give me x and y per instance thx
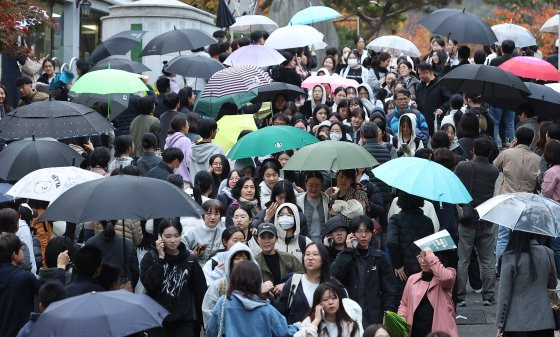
(122, 63)
(118, 44)
(25, 156)
(177, 40)
(224, 17)
(543, 99)
(490, 82)
(194, 66)
(269, 92)
(55, 119)
(459, 25)
(119, 102)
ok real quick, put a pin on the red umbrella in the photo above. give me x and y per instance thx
(531, 67)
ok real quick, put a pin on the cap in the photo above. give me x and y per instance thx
(267, 228)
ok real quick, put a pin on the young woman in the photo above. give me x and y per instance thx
(204, 240)
(377, 330)
(244, 192)
(224, 194)
(214, 268)
(300, 124)
(328, 316)
(330, 64)
(177, 137)
(124, 147)
(242, 219)
(48, 72)
(379, 69)
(5, 106)
(407, 143)
(406, 73)
(337, 131)
(219, 168)
(172, 277)
(318, 97)
(315, 205)
(320, 114)
(202, 187)
(339, 95)
(357, 117)
(346, 190)
(368, 100)
(186, 99)
(355, 70)
(439, 59)
(269, 174)
(351, 92)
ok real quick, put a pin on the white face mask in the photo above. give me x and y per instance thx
(286, 221)
(352, 62)
(335, 136)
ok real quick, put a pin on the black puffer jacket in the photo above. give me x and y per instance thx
(382, 155)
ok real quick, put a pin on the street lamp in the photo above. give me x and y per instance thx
(85, 6)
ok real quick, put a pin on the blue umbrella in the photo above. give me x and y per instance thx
(313, 14)
(4, 187)
(111, 313)
(423, 178)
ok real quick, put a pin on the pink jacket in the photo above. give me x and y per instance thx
(439, 295)
(551, 183)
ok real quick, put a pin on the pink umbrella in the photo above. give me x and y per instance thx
(531, 67)
(333, 81)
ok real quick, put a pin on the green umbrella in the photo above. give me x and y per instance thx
(330, 155)
(270, 140)
(210, 106)
(396, 325)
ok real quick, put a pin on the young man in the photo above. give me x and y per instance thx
(163, 85)
(149, 159)
(48, 293)
(87, 264)
(335, 235)
(432, 97)
(171, 102)
(527, 119)
(204, 149)
(144, 122)
(171, 159)
(27, 94)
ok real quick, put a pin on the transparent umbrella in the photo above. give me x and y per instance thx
(521, 211)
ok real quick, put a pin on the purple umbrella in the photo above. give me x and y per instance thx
(255, 55)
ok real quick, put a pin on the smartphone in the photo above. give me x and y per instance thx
(354, 243)
(269, 203)
(330, 241)
(405, 147)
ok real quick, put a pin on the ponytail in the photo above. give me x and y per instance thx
(109, 229)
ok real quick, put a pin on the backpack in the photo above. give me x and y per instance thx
(302, 243)
(296, 279)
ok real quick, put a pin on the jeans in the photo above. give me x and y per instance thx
(509, 120)
(503, 238)
(555, 246)
(483, 240)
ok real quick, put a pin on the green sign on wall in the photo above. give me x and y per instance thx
(137, 49)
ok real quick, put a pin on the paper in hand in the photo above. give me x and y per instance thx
(437, 242)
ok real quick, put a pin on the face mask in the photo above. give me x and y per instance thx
(286, 222)
(352, 62)
(335, 136)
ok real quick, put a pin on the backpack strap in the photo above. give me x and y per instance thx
(296, 279)
(302, 243)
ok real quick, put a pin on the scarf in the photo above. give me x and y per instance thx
(253, 202)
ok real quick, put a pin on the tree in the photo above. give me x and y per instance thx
(17, 19)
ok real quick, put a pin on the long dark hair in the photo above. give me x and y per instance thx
(184, 95)
(225, 168)
(6, 103)
(236, 190)
(325, 262)
(286, 188)
(177, 124)
(202, 182)
(341, 314)
(245, 278)
(520, 243)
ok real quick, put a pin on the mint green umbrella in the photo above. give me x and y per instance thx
(270, 140)
(210, 106)
(330, 155)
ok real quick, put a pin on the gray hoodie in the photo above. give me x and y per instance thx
(200, 155)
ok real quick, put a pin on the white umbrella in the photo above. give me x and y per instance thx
(518, 34)
(551, 25)
(394, 44)
(47, 184)
(295, 36)
(554, 86)
(254, 55)
(251, 23)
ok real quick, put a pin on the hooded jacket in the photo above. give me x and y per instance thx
(308, 329)
(325, 70)
(371, 103)
(365, 73)
(412, 144)
(309, 105)
(422, 130)
(216, 288)
(202, 234)
(200, 155)
(181, 141)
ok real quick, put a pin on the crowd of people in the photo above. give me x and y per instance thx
(313, 253)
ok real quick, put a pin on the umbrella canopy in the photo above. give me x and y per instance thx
(521, 211)
(177, 40)
(55, 119)
(251, 23)
(490, 82)
(122, 63)
(254, 55)
(109, 81)
(551, 25)
(330, 155)
(544, 100)
(394, 45)
(224, 18)
(103, 314)
(211, 106)
(4, 187)
(314, 14)
(194, 66)
(270, 91)
(518, 34)
(47, 184)
(229, 128)
(531, 67)
(296, 36)
(122, 197)
(333, 81)
(459, 25)
(423, 178)
(554, 86)
(25, 156)
(118, 102)
(118, 44)
(270, 139)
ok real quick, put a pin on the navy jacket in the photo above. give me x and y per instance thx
(82, 285)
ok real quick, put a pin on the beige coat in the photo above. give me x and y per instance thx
(133, 230)
(520, 168)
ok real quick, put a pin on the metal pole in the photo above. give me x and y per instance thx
(558, 35)
(358, 25)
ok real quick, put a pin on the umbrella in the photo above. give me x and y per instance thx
(118, 44)
(177, 40)
(518, 34)
(395, 324)
(122, 63)
(49, 183)
(254, 55)
(25, 156)
(394, 45)
(531, 67)
(490, 82)
(314, 14)
(56, 119)
(459, 25)
(122, 197)
(544, 99)
(211, 106)
(229, 128)
(330, 155)
(522, 211)
(118, 102)
(116, 313)
(296, 36)
(270, 139)
(551, 25)
(4, 187)
(423, 178)
(224, 17)
(333, 81)
(251, 23)
(194, 66)
(554, 86)
(269, 92)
